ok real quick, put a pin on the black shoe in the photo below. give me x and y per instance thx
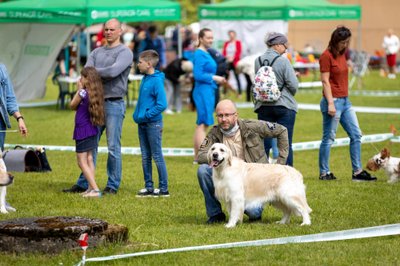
(110, 191)
(144, 192)
(364, 176)
(329, 176)
(255, 220)
(158, 193)
(74, 189)
(219, 218)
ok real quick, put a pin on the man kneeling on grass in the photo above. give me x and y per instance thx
(245, 139)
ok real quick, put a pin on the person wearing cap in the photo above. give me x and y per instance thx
(284, 110)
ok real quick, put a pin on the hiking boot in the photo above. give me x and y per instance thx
(74, 189)
(329, 176)
(364, 176)
(144, 192)
(219, 218)
(158, 193)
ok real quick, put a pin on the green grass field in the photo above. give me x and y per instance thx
(179, 221)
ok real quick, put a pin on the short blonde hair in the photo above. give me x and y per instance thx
(150, 56)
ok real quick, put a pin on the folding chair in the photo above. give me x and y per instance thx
(360, 61)
(64, 91)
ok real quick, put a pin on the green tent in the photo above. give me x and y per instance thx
(88, 11)
(32, 32)
(278, 10)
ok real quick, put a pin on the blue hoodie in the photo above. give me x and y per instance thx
(152, 99)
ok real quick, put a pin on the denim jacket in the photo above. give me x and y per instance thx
(8, 101)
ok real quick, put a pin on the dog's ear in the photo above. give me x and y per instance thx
(385, 153)
(209, 156)
(372, 166)
(230, 157)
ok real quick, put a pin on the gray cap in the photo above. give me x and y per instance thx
(276, 38)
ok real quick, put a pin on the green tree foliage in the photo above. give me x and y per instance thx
(189, 9)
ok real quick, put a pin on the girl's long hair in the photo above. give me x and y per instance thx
(94, 87)
(340, 34)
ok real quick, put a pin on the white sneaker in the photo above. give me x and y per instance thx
(169, 112)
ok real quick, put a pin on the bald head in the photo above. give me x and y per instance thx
(225, 106)
(112, 32)
(226, 114)
(114, 22)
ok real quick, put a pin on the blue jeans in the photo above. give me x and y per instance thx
(282, 116)
(115, 114)
(274, 146)
(347, 117)
(150, 138)
(3, 128)
(213, 206)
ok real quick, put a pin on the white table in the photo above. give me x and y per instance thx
(135, 79)
(67, 87)
(313, 67)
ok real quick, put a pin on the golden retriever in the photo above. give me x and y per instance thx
(244, 185)
(5, 180)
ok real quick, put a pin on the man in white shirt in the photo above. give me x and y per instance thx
(391, 45)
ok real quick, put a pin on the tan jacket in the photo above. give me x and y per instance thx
(253, 133)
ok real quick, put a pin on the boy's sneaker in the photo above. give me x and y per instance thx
(158, 193)
(364, 176)
(144, 192)
(329, 176)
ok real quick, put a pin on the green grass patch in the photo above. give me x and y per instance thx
(179, 221)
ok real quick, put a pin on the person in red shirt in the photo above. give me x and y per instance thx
(232, 51)
(336, 107)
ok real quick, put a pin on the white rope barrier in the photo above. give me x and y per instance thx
(367, 232)
(300, 146)
(315, 107)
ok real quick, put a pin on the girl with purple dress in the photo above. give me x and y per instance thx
(88, 103)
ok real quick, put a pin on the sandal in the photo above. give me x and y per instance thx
(85, 192)
(92, 194)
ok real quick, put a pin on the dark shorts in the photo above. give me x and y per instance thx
(87, 144)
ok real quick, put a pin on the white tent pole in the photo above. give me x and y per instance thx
(359, 40)
(78, 51)
(88, 44)
(179, 41)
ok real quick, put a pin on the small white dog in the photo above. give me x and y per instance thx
(5, 180)
(242, 185)
(387, 162)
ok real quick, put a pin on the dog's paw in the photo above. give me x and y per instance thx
(230, 225)
(3, 210)
(305, 223)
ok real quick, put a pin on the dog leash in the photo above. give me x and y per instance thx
(377, 150)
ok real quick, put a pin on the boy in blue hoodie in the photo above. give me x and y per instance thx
(151, 103)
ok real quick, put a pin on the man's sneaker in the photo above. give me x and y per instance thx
(364, 176)
(74, 189)
(219, 218)
(329, 176)
(144, 192)
(109, 191)
(158, 193)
